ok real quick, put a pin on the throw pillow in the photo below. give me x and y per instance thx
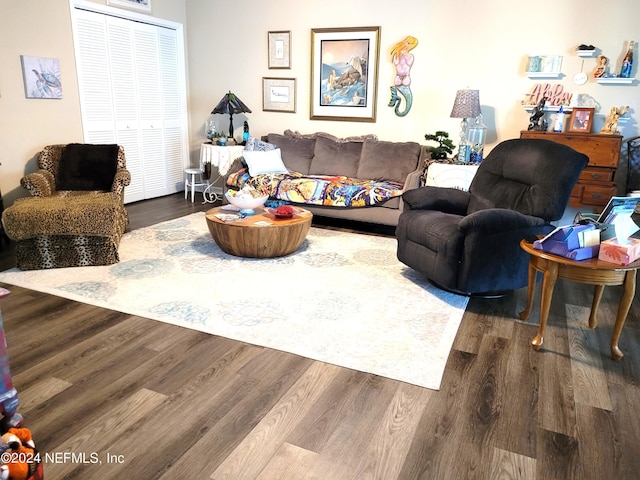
(255, 145)
(264, 162)
(87, 167)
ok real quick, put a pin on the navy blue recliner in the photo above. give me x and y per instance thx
(469, 242)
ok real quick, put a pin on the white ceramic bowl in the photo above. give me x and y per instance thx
(246, 203)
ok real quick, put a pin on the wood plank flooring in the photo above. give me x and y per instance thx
(109, 395)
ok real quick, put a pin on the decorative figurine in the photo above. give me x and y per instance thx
(537, 121)
(601, 68)
(402, 61)
(611, 123)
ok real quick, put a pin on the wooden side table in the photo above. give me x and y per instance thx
(592, 272)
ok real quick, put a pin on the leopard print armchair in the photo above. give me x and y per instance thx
(63, 227)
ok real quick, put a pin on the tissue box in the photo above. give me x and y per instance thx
(620, 253)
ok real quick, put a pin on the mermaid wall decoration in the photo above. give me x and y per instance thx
(402, 60)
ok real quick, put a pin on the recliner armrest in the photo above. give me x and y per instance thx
(495, 220)
(448, 200)
(39, 184)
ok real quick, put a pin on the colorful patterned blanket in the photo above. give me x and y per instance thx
(336, 191)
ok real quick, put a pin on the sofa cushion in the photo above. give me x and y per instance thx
(335, 158)
(87, 167)
(388, 160)
(297, 152)
(268, 161)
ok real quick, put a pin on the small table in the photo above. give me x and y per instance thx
(250, 237)
(221, 157)
(592, 272)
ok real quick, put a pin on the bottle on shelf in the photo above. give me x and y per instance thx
(559, 123)
(627, 63)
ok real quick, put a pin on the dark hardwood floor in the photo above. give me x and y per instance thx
(145, 400)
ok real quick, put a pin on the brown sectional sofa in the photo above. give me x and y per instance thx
(362, 158)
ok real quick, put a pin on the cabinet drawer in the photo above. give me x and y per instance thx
(592, 174)
(597, 195)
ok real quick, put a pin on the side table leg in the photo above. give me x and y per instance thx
(548, 283)
(597, 296)
(628, 293)
(531, 285)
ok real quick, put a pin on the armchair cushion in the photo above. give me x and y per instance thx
(87, 167)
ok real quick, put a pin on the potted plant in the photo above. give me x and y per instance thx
(220, 138)
(445, 145)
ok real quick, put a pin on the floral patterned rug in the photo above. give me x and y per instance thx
(342, 298)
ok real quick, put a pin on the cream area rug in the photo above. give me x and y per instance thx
(342, 298)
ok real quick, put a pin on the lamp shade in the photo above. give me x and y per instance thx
(467, 104)
(229, 105)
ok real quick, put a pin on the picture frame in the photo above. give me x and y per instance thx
(279, 94)
(41, 77)
(279, 49)
(140, 5)
(581, 120)
(344, 73)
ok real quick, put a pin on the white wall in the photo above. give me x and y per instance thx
(462, 43)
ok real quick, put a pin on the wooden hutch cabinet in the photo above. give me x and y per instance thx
(597, 182)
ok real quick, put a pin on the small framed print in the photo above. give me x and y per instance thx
(581, 120)
(140, 5)
(279, 49)
(279, 95)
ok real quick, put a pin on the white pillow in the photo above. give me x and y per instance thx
(264, 162)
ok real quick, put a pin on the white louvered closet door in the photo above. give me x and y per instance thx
(131, 95)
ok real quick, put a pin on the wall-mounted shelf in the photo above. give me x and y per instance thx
(544, 74)
(586, 53)
(616, 81)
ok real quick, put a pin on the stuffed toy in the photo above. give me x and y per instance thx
(18, 455)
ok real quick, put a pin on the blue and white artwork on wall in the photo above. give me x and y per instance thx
(41, 77)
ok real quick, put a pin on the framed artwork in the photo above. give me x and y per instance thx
(279, 94)
(581, 120)
(279, 49)
(141, 5)
(41, 77)
(344, 73)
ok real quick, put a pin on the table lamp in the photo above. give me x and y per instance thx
(231, 104)
(466, 105)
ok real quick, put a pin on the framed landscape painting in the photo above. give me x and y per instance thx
(344, 73)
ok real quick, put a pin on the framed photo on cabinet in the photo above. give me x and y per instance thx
(279, 49)
(344, 73)
(581, 120)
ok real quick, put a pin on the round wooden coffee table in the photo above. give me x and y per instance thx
(261, 235)
(592, 272)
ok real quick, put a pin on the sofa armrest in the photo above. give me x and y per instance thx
(121, 180)
(448, 200)
(39, 184)
(411, 183)
(497, 220)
